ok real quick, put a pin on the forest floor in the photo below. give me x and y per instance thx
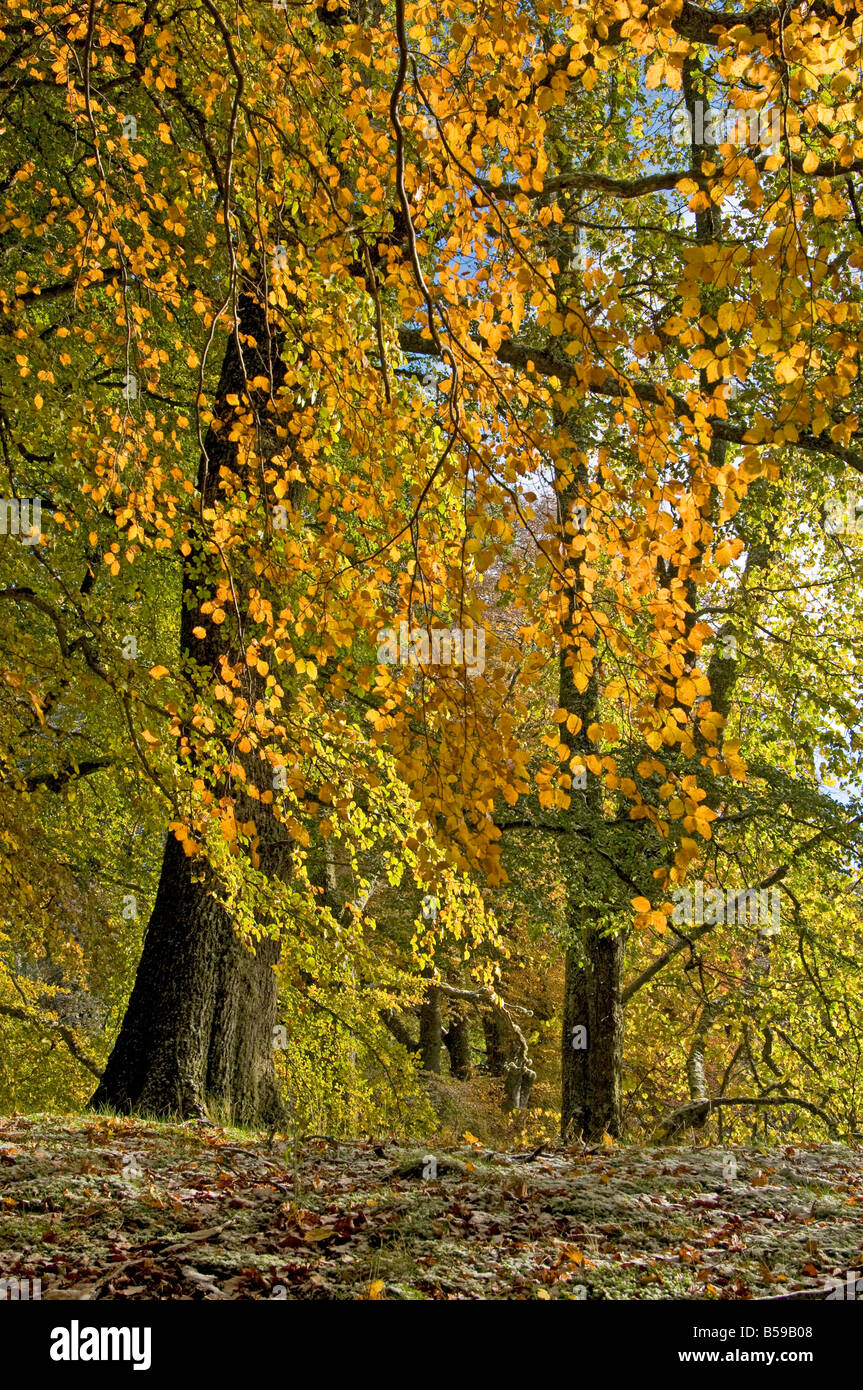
(102, 1208)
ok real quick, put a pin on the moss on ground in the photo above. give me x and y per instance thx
(117, 1208)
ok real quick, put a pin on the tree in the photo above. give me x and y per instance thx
(312, 342)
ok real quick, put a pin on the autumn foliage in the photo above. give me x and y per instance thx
(509, 357)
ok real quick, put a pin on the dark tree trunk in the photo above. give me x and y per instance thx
(592, 1052)
(495, 1043)
(430, 1030)
(198, 1030)
(604, 955)
(457, 1040)
(399, 1029)
(574, 1049)
(592, 1060)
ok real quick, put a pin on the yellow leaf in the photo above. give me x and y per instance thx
(157, 672)
(686, 691)
(641, 904)
(376, 1290)
(654, 76)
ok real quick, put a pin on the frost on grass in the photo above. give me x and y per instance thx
(111, 1208)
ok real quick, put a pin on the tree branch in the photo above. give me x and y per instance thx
(695, 1113)
(54, 781)
(548, 363)
(65, 1033)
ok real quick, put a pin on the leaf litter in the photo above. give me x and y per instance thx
(105, 1208)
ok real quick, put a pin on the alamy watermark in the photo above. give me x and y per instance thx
(713, 906)
(20, 1290)
(21, 516)
(848, 1289)
(710, 126)
(77, 1343)
(840, 516)
(131, 1169)
(429, 907)
(438, 646)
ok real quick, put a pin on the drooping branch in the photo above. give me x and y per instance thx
(661, 961)
(578, 830)
(533, 825)
(702, 25)
(695, 1113)
(65, 1033)
(687, 940)
(55, 781)
(107, 274)
(399, 1029)
(548, 363)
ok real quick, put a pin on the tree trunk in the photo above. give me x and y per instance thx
(517, 1086)
(604, 956)
(574, 1050)
(198, 1030)
(508, 1055)
(710, 1012)
(592, 1059)
(592, 1044)
(457, 1040)
(430, 1031)
(495, 1044)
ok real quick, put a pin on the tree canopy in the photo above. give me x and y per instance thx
(325, 332)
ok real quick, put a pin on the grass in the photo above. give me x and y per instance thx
(106, 1207)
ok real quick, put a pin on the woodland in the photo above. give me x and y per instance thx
(430, 646)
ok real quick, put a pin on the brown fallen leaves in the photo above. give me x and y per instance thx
(208, 1217)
